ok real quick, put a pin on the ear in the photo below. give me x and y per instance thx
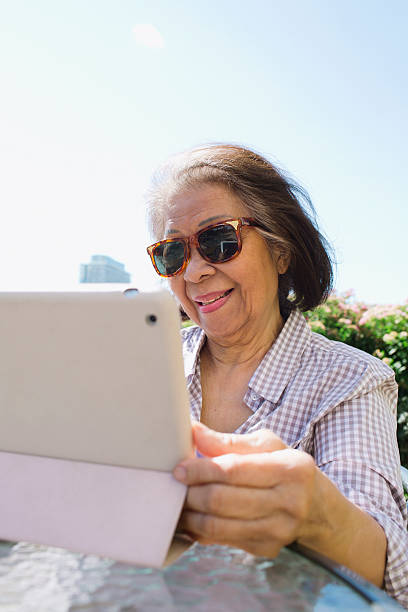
(283, 261)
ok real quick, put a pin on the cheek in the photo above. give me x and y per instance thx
(178, 289)
(260, 282)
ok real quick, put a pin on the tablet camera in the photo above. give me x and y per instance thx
(151, 319)
(131, 292)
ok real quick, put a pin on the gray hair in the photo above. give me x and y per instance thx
(281, 207)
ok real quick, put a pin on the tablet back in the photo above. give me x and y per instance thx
(95, 377)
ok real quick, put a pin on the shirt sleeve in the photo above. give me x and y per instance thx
(355, 445)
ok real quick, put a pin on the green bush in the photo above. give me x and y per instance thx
(379, 330)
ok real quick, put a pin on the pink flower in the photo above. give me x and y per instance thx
(316, 325)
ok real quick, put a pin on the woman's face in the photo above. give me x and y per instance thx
(245, 289)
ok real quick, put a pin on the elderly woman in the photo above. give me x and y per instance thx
(318, 462)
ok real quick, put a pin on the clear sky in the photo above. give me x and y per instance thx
(96, 93)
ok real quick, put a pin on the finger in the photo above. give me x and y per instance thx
(233, 502)
(274, 532)
(253, 471)
(246, 503)
(213, 443)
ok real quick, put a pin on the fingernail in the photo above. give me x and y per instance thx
(180, 473)
(184, 536)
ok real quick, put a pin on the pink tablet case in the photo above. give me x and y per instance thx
(127, 514)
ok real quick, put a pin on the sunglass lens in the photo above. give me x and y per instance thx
(219, 243)
(169, 257)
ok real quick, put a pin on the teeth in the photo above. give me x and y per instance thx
(215, 299)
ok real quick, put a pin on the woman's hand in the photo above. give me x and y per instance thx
(249, 491)
(253, 492)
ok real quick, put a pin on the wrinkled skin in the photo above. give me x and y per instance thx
(253, 492)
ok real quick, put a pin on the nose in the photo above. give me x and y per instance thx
(197, 267)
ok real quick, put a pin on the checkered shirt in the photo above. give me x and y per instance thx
(338, 404)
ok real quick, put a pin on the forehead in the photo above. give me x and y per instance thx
(190, 210)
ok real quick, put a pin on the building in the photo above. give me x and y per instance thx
(103, 269)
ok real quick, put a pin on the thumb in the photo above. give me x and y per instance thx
(213, 443)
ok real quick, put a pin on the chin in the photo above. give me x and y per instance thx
(217, 330)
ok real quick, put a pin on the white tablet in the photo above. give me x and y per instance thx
(94, 417)
(94, 377)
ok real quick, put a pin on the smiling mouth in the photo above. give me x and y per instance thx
(215, 299)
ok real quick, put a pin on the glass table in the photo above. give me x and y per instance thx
(204, 579)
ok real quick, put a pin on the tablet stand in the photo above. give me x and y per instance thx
(126, 514)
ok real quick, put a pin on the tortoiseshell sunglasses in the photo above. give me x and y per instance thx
(216, 243)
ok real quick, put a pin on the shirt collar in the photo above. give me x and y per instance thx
(282, 360)
(194, 339)
(276, 368)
